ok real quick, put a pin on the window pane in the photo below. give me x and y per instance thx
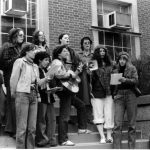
(20, 23)
(117, 51)
(32, 11)
(31, 26)
(29, 39)
(126, 41)
(110, 52)
(108, 38)
(117, 39)
(100, 20)
(7, 23)
(32, 1)
(101, 37)
(4, 38)
(127, 50)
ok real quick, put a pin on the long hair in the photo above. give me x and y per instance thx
(13, 35)
(35, 38)
(97, 56)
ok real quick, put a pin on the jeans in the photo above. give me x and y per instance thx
(125, 101)
(81, 112)
(64, 114)
(26, 114)
(46, 124)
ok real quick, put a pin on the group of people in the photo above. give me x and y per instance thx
(31, 70)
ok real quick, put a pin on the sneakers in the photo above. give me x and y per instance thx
(67, 143)
(103, 141)
(84, 131)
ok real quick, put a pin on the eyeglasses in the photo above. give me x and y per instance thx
(21, 35)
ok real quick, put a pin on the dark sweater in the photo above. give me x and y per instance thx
(43, 94)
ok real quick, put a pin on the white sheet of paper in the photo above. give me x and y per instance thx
(115, 78)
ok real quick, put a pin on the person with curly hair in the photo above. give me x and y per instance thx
(102, 101)
(39, 40)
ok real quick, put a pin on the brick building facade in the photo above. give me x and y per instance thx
(72, 17)
(144, 25)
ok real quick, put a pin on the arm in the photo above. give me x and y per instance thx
(9, 56)
(133, 80)
(15, 76)
(58, 70)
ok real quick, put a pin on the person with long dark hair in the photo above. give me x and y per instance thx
(39, 40)
(10, 52)
(102, 101)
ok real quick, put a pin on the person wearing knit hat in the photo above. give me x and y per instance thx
(124, 54)
(125, 100)
(10, 52)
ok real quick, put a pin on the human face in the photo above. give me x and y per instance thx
(44, 63)
(102, 52)
(64, 53)
(86, 45)
(122, 61)
(31, 54)
(20, 36)
(41, 36)
(65, 40)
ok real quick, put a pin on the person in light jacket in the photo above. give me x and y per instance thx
(23, 83)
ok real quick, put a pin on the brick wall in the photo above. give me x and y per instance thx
(72, 17)
(144, 24)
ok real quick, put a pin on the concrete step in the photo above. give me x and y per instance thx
(95, 137)
(10, 143)
(140, 144)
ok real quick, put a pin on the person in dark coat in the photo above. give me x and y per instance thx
(102, 101)
(84, 85)
(10, 52)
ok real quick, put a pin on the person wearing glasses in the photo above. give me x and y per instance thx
(74, 59)
(84, 86)
(10, 52)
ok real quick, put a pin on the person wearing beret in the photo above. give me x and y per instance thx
(125, 100)
(10, 52)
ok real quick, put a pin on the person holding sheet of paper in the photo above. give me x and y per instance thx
(125, 100)
(102, 102)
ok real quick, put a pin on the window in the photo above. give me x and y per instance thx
(115, 42)
(105, 7)
(28, 22)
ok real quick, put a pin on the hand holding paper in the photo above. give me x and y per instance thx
(115, 78)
